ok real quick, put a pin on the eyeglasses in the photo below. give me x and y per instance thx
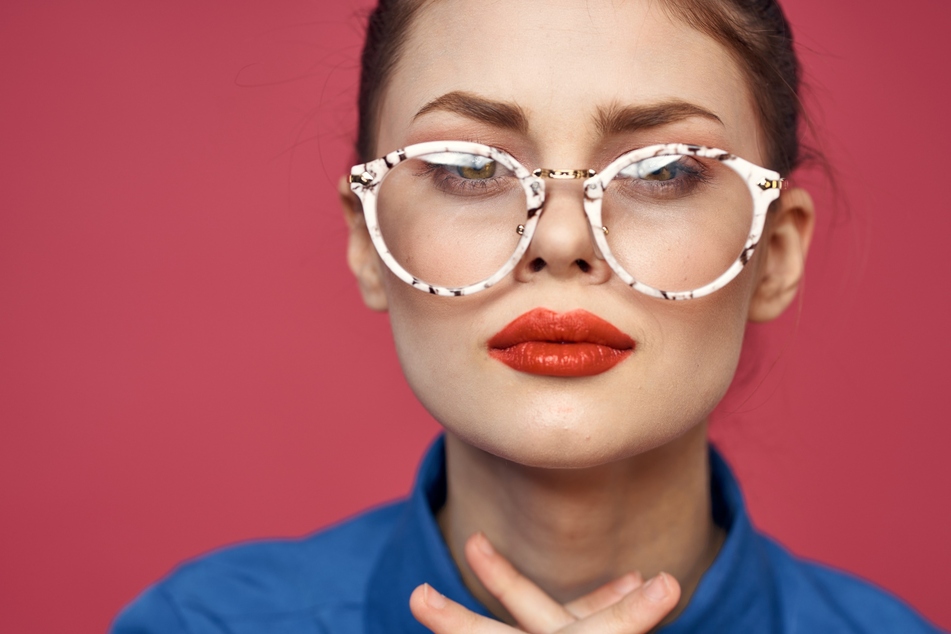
(673, 221)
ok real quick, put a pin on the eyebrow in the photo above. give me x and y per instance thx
(612, 120)
(497, 113)
(617, 119)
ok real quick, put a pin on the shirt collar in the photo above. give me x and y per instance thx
(734, 592)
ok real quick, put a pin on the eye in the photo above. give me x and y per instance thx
(463, 174)
(668, 176)
(468, 166)
(658, 168)
(664, 172)
(486, 171)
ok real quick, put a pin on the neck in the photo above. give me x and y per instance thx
(572, 530)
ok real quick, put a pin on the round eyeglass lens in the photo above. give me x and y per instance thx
(677, 222)
(451, 218)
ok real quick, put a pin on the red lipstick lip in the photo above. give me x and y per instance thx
(577, 343)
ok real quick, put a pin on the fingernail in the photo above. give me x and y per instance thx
(657, 588)
(627, 583)
(485, 546)
(433, 598)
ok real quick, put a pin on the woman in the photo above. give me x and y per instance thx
(592, 199)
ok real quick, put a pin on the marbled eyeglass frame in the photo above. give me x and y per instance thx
(764, 187)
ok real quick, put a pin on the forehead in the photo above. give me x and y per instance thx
(560, 61)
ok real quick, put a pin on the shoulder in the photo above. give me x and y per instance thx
(817, 598)
(271, 585)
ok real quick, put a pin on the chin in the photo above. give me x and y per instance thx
(563, 442)
(562, 423)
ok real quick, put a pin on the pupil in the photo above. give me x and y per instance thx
(663, 174)
(486, 171)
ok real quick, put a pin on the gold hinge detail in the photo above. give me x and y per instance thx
(773, 184)
(364, 179)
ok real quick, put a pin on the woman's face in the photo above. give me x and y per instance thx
(561, 63)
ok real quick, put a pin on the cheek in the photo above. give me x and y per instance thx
(436, 343)
(700, 343)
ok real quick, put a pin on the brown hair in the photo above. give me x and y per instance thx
(387, 27)
(755, 32)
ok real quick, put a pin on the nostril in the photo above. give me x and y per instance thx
(537, 264)
(584, 266)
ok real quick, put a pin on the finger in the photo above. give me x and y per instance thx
(444, 616)
(605, 596)
(534, 610)
(636, 613)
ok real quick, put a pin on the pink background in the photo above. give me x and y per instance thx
(185, 362)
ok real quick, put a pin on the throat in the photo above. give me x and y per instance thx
(571, 531)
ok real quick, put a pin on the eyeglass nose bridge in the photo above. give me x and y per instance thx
(563, 174)
(570, 175)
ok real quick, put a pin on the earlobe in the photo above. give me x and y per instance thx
(361, 256)
(783, 258)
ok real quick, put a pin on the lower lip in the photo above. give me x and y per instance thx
(560, 359)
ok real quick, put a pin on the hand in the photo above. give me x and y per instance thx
(626, 605)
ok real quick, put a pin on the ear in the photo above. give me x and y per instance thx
(361, 256)
(783, 261)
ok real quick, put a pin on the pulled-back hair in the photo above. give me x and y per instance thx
(755, 32)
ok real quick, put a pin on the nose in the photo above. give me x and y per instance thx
(563, 246)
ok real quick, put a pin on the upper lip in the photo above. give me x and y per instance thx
(577, 326)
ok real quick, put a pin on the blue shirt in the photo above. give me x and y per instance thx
(356, 578)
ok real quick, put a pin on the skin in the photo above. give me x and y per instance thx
(575, 481)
